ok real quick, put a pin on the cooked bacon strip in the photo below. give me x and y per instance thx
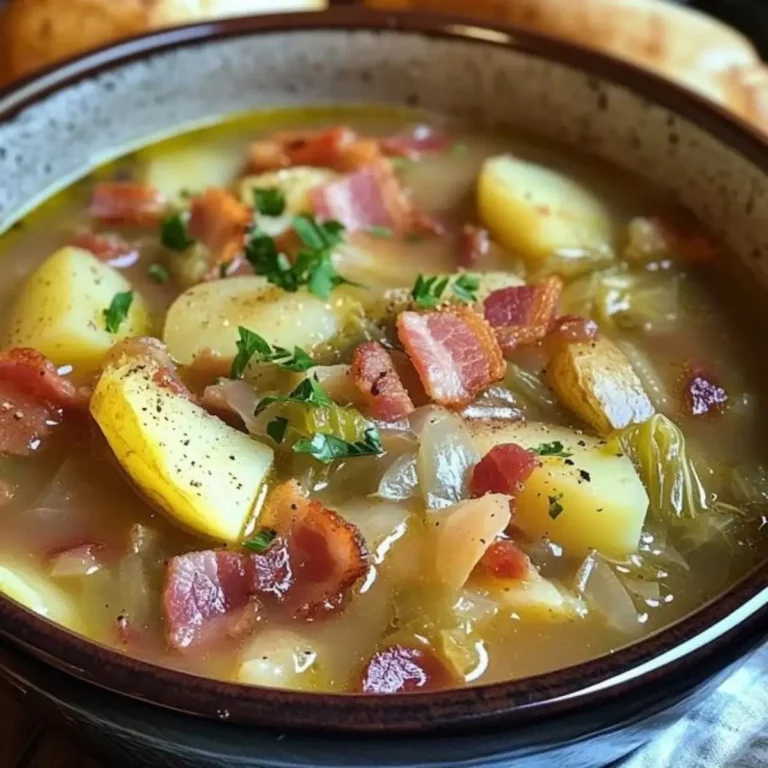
(572, 329)
(127, 203)
(418, 140)
(36, 376)
(403, 669)
(473, 244)
(702, 394)
(207, 595)
(25, 421)
(522, 314)
(505, 560)
(504, 469)
(375, 376)
(219, 221)
(372, 197)
(453, 350)
(109, 248)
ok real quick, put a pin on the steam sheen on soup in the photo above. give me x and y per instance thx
(358, 400)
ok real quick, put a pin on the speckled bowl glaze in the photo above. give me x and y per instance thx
(55, 128)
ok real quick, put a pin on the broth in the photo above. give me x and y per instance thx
(90, 549)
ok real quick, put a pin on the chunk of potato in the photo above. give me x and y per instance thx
(597, 382)
(539, 213)
(296, 184)
(22, 584)
(591, 499)
(204, 475)
(279, 658)
(207, 317)
(60, 310)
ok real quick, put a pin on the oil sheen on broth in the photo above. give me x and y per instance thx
(493, 422)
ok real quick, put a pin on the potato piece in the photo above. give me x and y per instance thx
(538, 213)
(295, 183)
(598, 383)
(279, 658)
(60, 310)
(592, 499)
(24, 585)
(206, 476)
(207, 317)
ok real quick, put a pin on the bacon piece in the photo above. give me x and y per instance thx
(403, 669)
(371, 197)
(109, 248)
(266, 155)
(35, 375)
(375, 376)
(504, 469)
(671, 234)
(219, 221)
(454, 352)
(207, 595)
(127, 203)
(473, 245)
(522, 314)
(25, 421)
(573, 329)
(702, 394)
(505, 560)
(414, 142)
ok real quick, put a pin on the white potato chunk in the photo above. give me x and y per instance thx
(60, 310)
(207, 316)
(538, 213)
(205, 475)
(591, 498)
(36, 592)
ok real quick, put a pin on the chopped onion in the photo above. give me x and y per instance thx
(400, 481)
(143, 540)
(237, 396)
(473, 608)
(446, 454)
(337, 381)
(647, 590)
(653, 385)
(603, 591)
(530, 386)
(494, 403)
(546, 555)
(78, 561)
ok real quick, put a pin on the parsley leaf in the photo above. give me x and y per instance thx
(555, 448)
(269, 201)
(250, 344)
(158, 273)
(465, 287)
(173, 233)
(382, 232)
(427, 291)
(276, 429)
(555, 507)
(117, 311)
(327, 448)
(308, 391)
(261, 540)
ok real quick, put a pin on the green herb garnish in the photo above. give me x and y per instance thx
(261, 540)
(327, 448)
(555, 448)
(381, 232)
(428, 291)
(308, 391)
(251, 345)
(276, 429)
(117, 311)
(269, 201)
(465, 287)
(555, 507)
(158, 273)
(173, 233)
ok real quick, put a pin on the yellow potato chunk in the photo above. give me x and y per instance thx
(22, 584)
(60, 310)
(207, 316)
(204, 475)
(597, 382)
(538, 213)
(589, 499)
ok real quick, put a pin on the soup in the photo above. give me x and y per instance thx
(360, 400)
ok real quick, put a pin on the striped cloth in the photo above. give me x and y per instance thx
(728, 730)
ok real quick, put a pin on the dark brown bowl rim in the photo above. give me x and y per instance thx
(736, 619)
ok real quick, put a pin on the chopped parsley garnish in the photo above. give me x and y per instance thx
(555, 507)
(328, 448)
(276, 429)
(158, 273)
(428, 291)
(117, 311)
(269, 201)
(173, 233)
(261, 540)
(555, 448)
(381, 232)
(251, 345)
(308, 391)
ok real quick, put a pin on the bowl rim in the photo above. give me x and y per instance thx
(714, 636)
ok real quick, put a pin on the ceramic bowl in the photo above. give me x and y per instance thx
(57, 126)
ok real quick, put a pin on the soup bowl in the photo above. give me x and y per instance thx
(56, 127)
